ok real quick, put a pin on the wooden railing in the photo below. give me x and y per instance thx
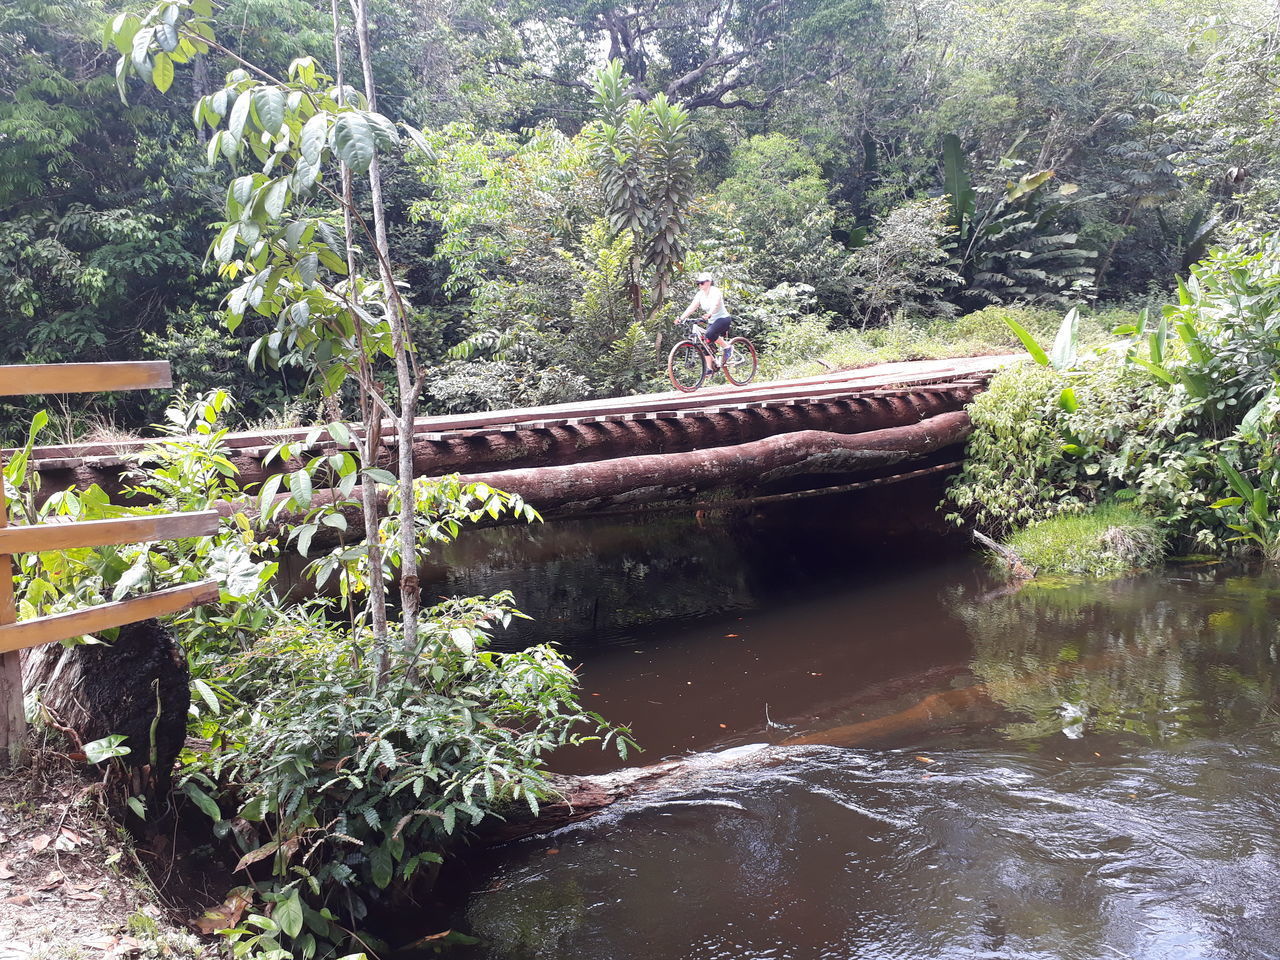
(31, 380)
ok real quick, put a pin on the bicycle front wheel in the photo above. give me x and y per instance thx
(685, 366)
(741, 368)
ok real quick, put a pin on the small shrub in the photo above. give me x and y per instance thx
(1108, 541)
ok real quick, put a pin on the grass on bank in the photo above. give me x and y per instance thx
(808, 346)
(1109, 541)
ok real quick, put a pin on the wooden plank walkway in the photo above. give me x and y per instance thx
(876, 382)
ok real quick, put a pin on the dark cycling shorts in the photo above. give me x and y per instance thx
(718, 327)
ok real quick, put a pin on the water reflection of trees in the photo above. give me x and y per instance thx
(1161, 656)
(603, 577)
(580, 580)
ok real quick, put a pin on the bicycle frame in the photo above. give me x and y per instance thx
(699, 336)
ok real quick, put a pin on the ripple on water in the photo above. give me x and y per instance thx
(844, 855)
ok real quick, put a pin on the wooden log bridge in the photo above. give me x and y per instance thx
(670, 449)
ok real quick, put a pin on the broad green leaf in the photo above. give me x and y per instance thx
(268, 103)
(1067, 400)
(300, 487)
(140, 49)
(207, 695)
(1195, 384)
(1260, 508)
(167, 36)
(1248, 428)
(162, 72)
(1238, 483)
(1226, 502)
(273, 200)
(224, 247)
(381, 866)
(463, 639)
(1030, 183)
(288, 913)
(308, 265)
(203, 801)
(1159, 373)
(419, 141)
(1028, 341)
(1158, 341)
(339, 432)
(1184, 296)
(125, 27)
(1189, 336)
(122, 78)
(312, 139)
(239, 116)
(1064, 345)
(294, 233)
(385, 136)
(255, 809)
(957, 182)
(97, 751)
(353, 141)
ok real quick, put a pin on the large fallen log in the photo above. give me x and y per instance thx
(583, 797)
(584, 488)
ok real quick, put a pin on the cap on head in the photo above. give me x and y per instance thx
(705, 278)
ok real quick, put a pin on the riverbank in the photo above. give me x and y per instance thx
(74, 885)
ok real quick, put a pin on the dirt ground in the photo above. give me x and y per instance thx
(72, 882)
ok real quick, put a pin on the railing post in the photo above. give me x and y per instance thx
(13, 720)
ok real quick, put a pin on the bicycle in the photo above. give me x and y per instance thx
(687, 368)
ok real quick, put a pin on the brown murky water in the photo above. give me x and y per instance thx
(919, 766)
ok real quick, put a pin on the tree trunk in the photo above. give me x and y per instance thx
(408, 379)
(136, 686)
(369, 517)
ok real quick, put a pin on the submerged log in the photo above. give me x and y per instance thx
(1017, 567)
(136, 686)
(583, 797)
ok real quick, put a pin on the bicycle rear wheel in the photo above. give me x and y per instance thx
(685, 366)
(741, 368)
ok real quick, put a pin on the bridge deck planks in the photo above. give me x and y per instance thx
(824, 387)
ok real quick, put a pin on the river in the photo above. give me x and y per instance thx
(898, 758)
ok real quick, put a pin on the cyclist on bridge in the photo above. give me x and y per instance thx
(710, 300)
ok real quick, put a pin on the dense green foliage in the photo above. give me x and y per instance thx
(1178, 416)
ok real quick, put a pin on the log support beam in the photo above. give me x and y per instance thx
(789, 460)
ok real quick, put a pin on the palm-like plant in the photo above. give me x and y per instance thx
(646, 166)
(1009, 243)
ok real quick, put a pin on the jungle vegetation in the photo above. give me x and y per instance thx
(332, 213)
